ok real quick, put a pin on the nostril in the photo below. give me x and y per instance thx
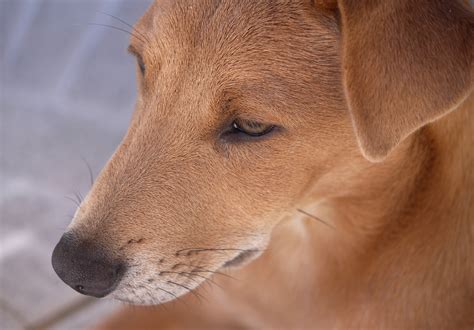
(80, 288)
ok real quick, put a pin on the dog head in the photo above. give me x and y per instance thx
(242, 107)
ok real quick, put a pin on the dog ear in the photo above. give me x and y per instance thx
(405, 64)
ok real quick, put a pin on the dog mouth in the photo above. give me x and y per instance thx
(242, 258)
(144, 286)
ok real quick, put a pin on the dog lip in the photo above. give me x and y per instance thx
(241, 258)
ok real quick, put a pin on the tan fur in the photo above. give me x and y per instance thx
(399, 247)
(406, 63)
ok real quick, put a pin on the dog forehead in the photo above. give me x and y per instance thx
(229, 29)
(209, 8)
(269, 49)
(211, 18)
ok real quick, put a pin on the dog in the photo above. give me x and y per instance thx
(325, 145)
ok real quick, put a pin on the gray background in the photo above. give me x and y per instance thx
(67, 93)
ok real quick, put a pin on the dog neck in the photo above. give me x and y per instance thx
(401, 226)
(427, 171)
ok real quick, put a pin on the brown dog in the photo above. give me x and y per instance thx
(249, 111)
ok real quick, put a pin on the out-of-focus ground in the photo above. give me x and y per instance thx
(67, 93)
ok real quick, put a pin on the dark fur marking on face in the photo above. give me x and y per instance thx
(131, 241)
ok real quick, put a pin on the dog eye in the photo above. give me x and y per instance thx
(251, 128)
(141, 64)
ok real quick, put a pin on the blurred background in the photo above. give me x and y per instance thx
(67, 92)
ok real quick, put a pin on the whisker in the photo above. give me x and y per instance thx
(118, 29)
(213, 272)
(91, 174)
(72, 200)
(176, 298)
(197, 295)
(78, 198)
(204, 270)
(190, 251)
(168, 292)
(127, 24)
(208, 279)
(315, 218)
(190, 276)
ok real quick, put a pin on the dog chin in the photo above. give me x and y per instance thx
(139, 301)
(145, 296)
(143, 286)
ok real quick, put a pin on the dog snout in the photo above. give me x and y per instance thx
(86, 267)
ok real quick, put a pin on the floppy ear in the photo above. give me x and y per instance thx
(405, 64)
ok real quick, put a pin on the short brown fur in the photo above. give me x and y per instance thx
(374, 107)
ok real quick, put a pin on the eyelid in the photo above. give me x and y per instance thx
(132, 50)
(267, 129)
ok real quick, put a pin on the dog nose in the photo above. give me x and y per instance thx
(85, 267)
